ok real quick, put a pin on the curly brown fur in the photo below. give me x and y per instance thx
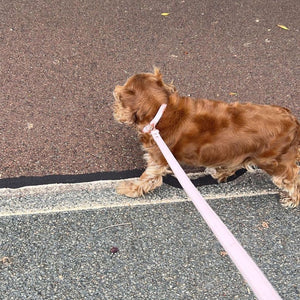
(209, 133)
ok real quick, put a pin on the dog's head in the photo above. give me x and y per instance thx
(138, 101)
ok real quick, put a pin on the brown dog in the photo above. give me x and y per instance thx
(214, 134)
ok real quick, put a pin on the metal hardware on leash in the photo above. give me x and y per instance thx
(260, 285)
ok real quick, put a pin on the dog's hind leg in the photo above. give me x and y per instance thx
(285, 174)
(289, 181)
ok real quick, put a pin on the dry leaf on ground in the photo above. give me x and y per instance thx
(283, 27)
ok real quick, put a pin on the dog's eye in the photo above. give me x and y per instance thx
(130, 92)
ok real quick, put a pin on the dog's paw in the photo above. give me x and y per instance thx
(220, 177)
(288, 202)
(130, 188)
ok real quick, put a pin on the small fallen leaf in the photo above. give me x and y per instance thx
(283, 27)
(165, 14)
(6, 260)
(265, 224)
(232, 94)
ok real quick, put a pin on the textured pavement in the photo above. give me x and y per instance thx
(59, 63)
(56, 242)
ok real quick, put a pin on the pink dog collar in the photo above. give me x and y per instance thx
(260, 285)
(151, 126)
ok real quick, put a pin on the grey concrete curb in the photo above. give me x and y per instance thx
(101, 194)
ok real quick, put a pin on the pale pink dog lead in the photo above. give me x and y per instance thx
(260, 285)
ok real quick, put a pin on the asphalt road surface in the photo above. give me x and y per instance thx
(60, 61)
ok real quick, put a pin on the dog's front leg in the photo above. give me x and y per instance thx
(149, 180)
